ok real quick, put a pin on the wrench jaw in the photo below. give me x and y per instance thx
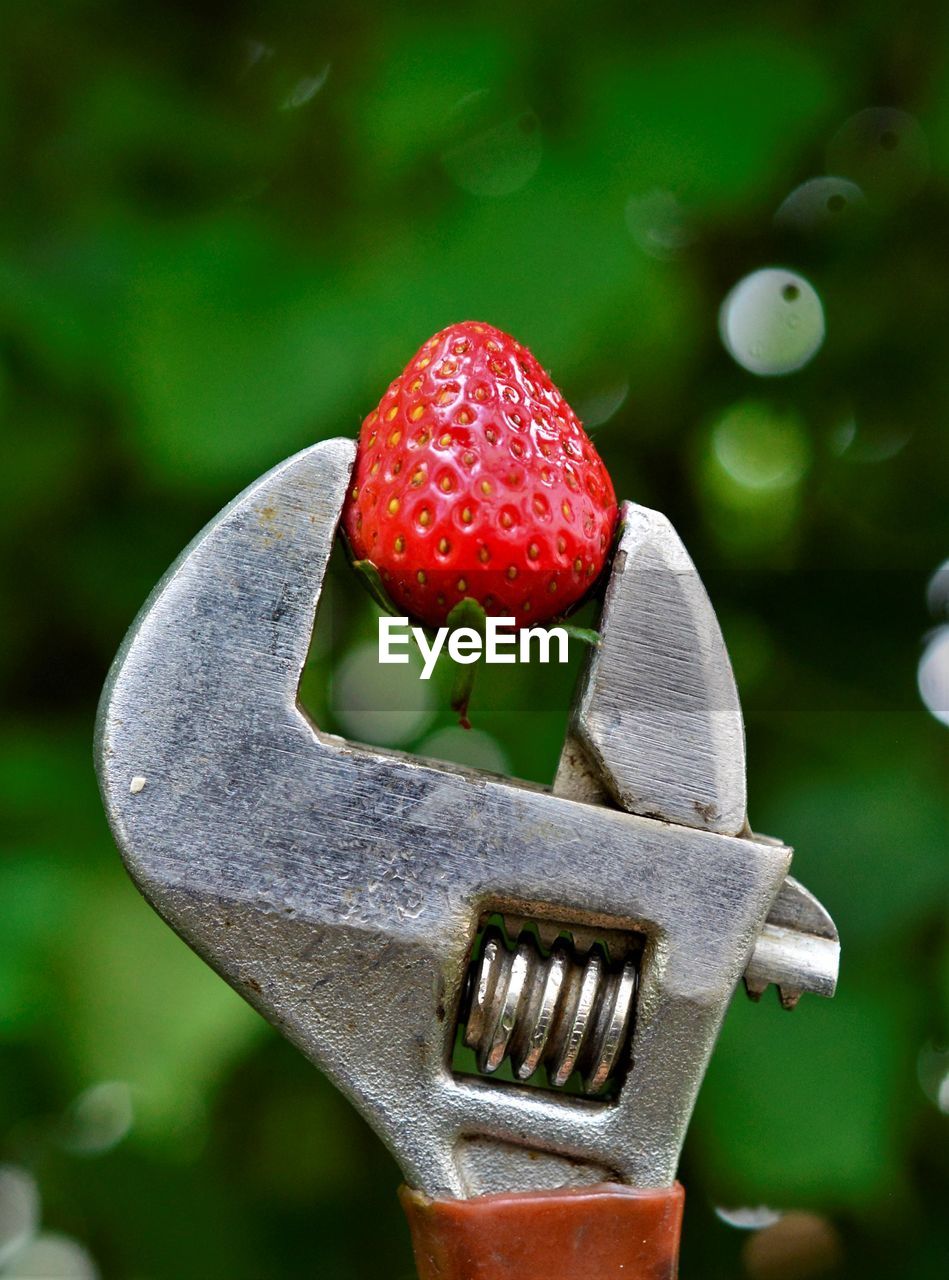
(657, 728)
(208, 672)
(339, 889)
(657, 720)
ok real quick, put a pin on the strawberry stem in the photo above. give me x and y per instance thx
(466, 613)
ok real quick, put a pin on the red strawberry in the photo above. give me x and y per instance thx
(474, 478)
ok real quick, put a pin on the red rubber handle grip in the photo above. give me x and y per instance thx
(604, 1232)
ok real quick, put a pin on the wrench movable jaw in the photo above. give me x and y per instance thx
(658, 711)
(339, 888)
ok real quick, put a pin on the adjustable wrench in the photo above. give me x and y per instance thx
(440, 940)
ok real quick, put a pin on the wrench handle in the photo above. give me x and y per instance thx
(608, 1231)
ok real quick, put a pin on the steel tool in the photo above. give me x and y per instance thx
(440, 940)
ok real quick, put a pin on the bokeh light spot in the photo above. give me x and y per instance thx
(937, 591)
(933, 675)
(760, 448)
(820, 205)
(796, 1247)
(600, 404)
(471, 747)
(493, 154)
(932, 1067)
(659, 224)
(100, 1118)
(52, 1257)
(884, 150)
(306, 89)
(19, 1210)
(748, 1219)
(772, 322)
(867, 441)
(384, 705)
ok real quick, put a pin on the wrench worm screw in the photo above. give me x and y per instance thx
(563, 1011)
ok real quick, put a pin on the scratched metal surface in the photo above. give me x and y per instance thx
(338, 888)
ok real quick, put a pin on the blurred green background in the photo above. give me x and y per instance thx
(223, 229)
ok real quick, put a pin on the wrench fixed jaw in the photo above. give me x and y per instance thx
(339, 889)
